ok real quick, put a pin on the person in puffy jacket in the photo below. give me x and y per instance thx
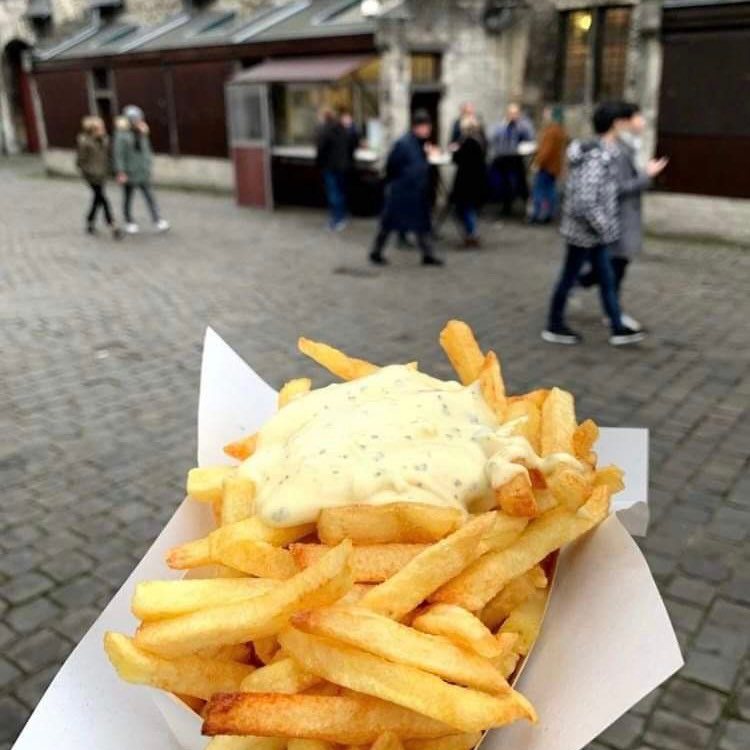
(133, 160)
(92, 161)
(590, 226)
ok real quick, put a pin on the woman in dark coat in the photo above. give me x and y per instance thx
(92, 160)
(470, 183)
(407, 196)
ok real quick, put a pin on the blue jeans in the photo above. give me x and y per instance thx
(601, 264)
(468, 216)
(335, 185)
(544, 196)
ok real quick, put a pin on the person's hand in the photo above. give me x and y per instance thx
(656, 166)
(122, 178)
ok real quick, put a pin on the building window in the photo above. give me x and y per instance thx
(593, 54)
(425, 68)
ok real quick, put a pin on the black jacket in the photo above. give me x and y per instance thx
(407, 195)
(334, 151)
(470, 183)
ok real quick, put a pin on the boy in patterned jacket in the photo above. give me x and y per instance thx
(590, 226)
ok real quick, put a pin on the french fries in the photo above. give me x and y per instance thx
(192, 675)
(464, 709)
(335, 361)
(461, 348)
(382, 524)
(389, 623)
(460, 626)
(293, 389)
(381, 636)
(351, 719)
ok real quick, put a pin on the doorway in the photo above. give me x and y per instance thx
(19, 122)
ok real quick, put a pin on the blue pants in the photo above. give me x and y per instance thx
(601, 264)
(544, 196)
(335, 185)
(468, 216)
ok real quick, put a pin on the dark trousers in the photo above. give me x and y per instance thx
(423, 242)
(508, 179)
(619, 267)
(335, 185)
(544, 196)
(148, 196)
(601, 264)
(99, 198)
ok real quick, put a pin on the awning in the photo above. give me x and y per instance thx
(299, 69)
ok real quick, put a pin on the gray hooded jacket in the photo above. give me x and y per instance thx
(590, 213)
(633, 182)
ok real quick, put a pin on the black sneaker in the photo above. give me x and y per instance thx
(378, 260)
(626, 336)
(431, 260)
(561, 335)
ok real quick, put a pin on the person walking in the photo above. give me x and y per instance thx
(470, 182)
(508, 171)
(632, 183)
(335, 159)
(93, 162)
(133, 161)
(548, 163)
(407, 192)
(590, 226)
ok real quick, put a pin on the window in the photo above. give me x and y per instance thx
(425, 68)
(593, 54)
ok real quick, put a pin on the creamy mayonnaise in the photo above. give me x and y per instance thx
(395, 435)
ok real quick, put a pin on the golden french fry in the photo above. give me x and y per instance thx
(460, 626)
(510, 596)
(371, 563)
(480, 582)
(612, 477)
(266, 648)
(238, 500)
(335, 361)
(558, 422)
(322, 583)
(239, 652)
(429, 570)
(571, 488)
(387, 741)
(462, 350)
(353, 719)
(242, 448)
(584, 437)
(531, 427)
(257, 559)
(192, 675)
(381, 636)
(294, 389)
(246, 743)
(281, 676)
(505, 530)
(392, 522)
(193, 554)
(507, 663)
(206, 484)
(309, 745)
(465, 741)
(492, 386)
(536, 397)
(526, 620)
(465, 709)
(516, 497)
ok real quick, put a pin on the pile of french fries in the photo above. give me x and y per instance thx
(399, 626)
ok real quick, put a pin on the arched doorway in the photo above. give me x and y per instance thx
(19, 125)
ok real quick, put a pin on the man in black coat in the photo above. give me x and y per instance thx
(407, 197)
(335, 159)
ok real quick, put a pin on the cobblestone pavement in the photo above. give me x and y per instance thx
(100, 351)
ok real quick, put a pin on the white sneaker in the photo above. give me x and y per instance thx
(162, 225)
(627, 320)
(132, 228)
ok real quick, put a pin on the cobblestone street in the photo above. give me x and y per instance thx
(99, 371)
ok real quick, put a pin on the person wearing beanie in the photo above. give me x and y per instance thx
(407, 192)
(92, 160)
(133, 159)
(548, 163)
